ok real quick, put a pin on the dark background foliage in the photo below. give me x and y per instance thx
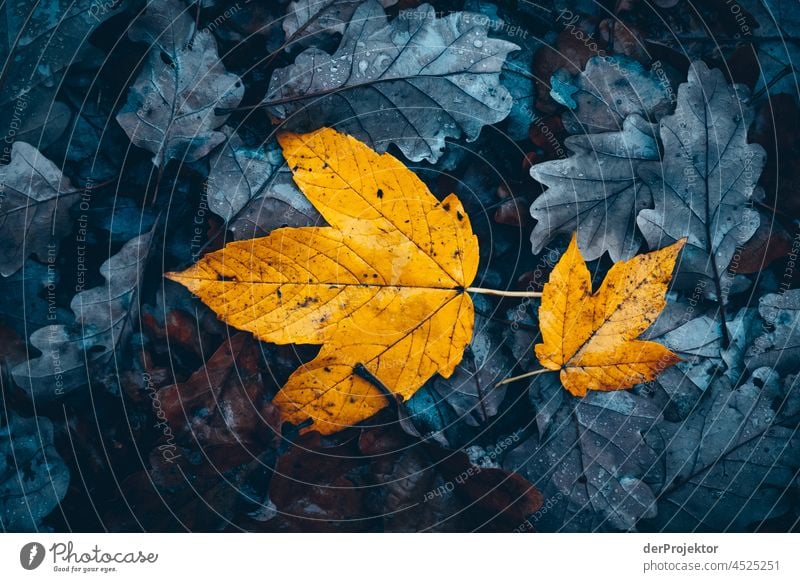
(127, 406)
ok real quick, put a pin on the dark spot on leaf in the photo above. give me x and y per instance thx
(308, 301)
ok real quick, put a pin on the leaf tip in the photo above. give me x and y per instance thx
(672, 252)
(573, 244)
(290, 140)
(287, 139)
(183, 279)
(577, 389)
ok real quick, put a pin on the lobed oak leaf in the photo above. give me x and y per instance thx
(33, 476)
(248, 188)
(610, 89)
(420, 79)
(591, 458)
(596, 192)
(382, 287)
(35, 198)
(590, 338)
(311, 18)
(172, 108)
(705, 186)
(73, 354)
(779, 346)
(733, 462)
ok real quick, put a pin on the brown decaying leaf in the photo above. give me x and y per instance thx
(317, 490)
(223, 403)
(513, 213)
(770, 242)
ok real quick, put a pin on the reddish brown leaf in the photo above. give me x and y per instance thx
(569, 53)
(625, 38)
(549, 134)
(504, 498)
(315, 490)
(513, 213)
(223, 403)
(770, 242)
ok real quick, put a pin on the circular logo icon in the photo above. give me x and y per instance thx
(31, 555)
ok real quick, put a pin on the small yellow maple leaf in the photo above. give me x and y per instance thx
(591, 338)
(384, 286)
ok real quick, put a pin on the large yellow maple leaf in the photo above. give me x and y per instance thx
(590, 338)
(384, 286)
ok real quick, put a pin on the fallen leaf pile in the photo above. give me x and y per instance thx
(430, 266)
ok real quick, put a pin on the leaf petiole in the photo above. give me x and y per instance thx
(522, 376)
(503, 293)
